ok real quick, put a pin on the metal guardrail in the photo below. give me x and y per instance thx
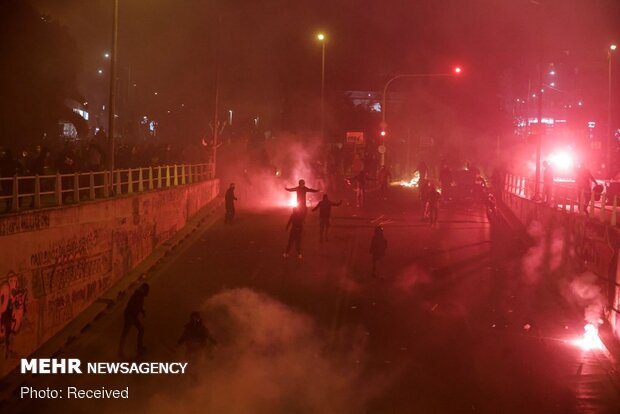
(34, 192)
(565, 196)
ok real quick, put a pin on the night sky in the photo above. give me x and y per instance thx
(268, 50)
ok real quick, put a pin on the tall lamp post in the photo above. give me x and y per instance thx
(216, 125)
(323, 39)
(112, 96)
(610, 134)
(457, 71)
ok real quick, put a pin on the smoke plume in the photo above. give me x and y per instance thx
(271, 358)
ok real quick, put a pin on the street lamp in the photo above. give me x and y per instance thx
(322, 38)
(112, 96)
(610, 135)
(456, 72)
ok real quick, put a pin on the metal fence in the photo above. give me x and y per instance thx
(565, 196)
(40, 191)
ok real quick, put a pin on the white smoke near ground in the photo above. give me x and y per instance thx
(545, 255)
(261, 172)
(585, 291)
(410, 278)
(532, 261)
(580, 289)
(558, 243)
(272, 359)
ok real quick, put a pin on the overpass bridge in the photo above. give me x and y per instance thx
(69, 238)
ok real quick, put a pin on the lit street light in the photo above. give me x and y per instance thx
(321, 37)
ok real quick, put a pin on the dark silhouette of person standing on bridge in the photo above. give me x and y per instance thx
(378, 245)
(301, 191)
(133, 310)
(547, 182)
(325, 211)
(230, 204)
(584, 180)
(8, 169)
(296, 224)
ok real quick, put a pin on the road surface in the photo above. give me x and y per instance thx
(463, 320)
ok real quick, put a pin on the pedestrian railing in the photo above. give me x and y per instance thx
(20, 193)
(565, 196)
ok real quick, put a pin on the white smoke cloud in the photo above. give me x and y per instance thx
(284, 160)
(531, 264)
(582, 289)
(410, 278)
(586, 292)
(271, 358)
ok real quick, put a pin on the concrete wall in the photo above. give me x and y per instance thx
(56, 262)
(590, 245)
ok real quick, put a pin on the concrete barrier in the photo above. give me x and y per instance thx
(589, 244)
(56, 262)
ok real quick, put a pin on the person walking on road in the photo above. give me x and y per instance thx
(133, 310)
(230, 204)
(359, 181)
(384, 180)
(378, 245)
(445, 179)
(325, 211)
(432, 204)
(296, 224)
(301, 191)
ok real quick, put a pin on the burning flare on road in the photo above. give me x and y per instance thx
(590, 340)
(411, 183)
(292, 200)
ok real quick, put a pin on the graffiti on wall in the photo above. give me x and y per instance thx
(132, 246)
(24, 222)
(52, 278)
(69, 262)
(165, 201)
(13, 308)
(66, 250)
(64, 306)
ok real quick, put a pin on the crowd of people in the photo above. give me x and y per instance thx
(93, 155)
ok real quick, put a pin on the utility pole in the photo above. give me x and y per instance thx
(610, 132)
(539, 133)
(216, 126)
(384, 100)
(112, 96)
(323, 93)
(540, 129)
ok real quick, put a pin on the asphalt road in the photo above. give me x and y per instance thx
(464, 319)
